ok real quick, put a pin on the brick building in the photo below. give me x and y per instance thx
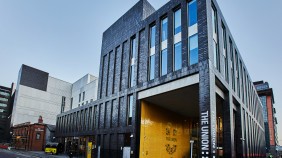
(32, 137)
(172, 83)
(270, 121)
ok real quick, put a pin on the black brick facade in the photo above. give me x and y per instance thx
(111, 117)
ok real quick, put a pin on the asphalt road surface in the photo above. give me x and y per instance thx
(12, 154)
(23, 154)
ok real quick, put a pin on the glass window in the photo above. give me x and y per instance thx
(152, 67)
(215, 51)
(3, 105)
(177, 21)
(71, 103)
(131, 77)
(132, 57)
(215, 41)
(83, 96)
(133, 48)
(193, 47)
(232, 64)
(63, 104)
(164, 62)
(192, 12)
(129, 108)
(152, 53)
(177, 56)
(214, 20)
(4, 99)
(38, 136)
(79, 97)
(153, 36)
(164, 29)
(225, 53)
(5, 94)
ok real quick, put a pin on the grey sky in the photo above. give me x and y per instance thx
(64, 37)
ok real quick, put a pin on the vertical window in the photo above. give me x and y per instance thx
(177, 22)
(164, 62)
(177, 40)
(177, 56)
(63, 104)
(83, 96)
(38, 135)
(237, 74)
(193, 49)
(132, 60)
(79, 97)
(232, 65)
(242, 81)
(215, 39)
(164, 47)
(193, 32)
(164, 29)
(71, 103)
(152, 52)
(224, 52)
(94, 117)
(192, 13)
(129, 110)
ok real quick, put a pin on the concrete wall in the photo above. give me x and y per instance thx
(87, 84)
(31, 103)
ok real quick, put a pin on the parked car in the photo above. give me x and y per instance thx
(53, 148)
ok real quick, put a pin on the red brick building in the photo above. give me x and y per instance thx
(28, 136)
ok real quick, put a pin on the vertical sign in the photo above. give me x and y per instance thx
(205, 140)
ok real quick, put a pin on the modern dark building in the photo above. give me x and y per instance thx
(172, 83)
(6, 107)
(270, 121)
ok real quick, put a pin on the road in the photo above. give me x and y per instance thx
(25, 154)
(12, 154)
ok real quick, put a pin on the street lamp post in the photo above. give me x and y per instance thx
(191, 142)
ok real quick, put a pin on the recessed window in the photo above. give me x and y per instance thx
(177, 21)
(38, 135)
(163, 56)
(4, 99)
(129, 110)
(132, 60)
(83, 96)
(192, 13)
(177, 56)
(63, 104)
(3, 105)
(164, 29)
(193, 49)
(192, 33)
(79, 97)
(164, 62)
(225, 55)
(71, 103)
(215, 39)
(152, 67)
(152, 52)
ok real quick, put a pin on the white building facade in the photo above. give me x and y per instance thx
(39, 94)
(84, 91)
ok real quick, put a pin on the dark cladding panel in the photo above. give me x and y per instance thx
(34, 78)
(142, 57)
(115, 113)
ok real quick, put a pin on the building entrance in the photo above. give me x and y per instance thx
(169, 126)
